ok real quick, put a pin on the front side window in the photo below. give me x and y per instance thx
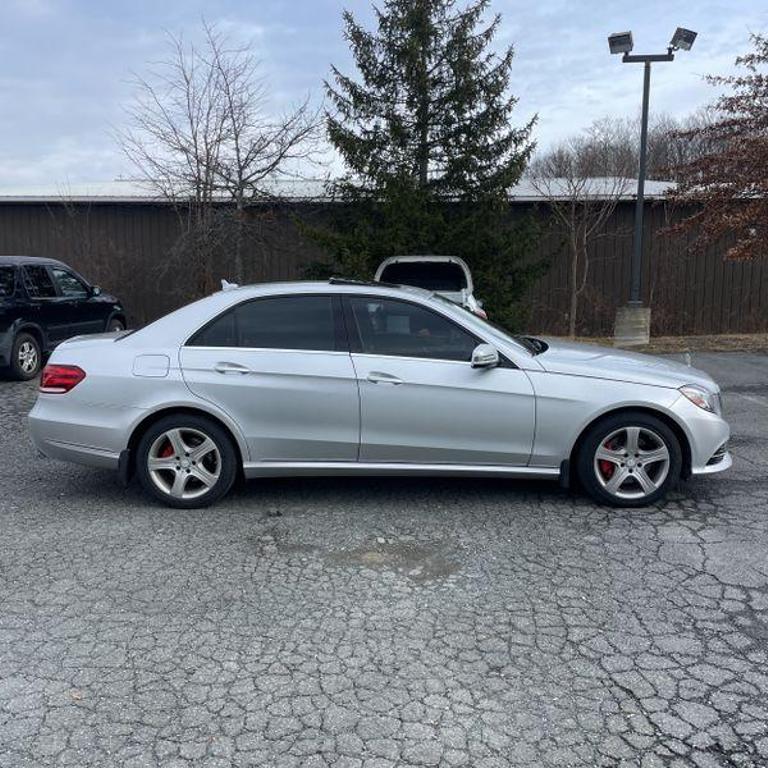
(38, 283)
(7, 281)
(392, 327)
(69, 285)
(286, 322)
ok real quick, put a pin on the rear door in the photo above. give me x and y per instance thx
(280, 367)
(46, 307)
(85, 314)
(420, 399)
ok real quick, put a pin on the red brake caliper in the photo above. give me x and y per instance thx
(167, 450)
(606, 467)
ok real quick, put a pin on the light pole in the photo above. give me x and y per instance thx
(633, 322)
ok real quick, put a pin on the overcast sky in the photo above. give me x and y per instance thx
(66, 64)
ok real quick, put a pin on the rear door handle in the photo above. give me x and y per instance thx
(231, 368)
(379, 377)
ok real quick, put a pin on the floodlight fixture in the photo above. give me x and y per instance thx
(682, 40)
(620, 42)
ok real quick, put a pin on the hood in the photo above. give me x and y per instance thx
(599, 362)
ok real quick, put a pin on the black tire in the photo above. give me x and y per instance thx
(161, 482)
(115, 324)
(26, 357)
(595, 474)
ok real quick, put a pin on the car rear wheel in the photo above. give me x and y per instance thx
(629, 460)
(115, 324)
(26, 357)
(186, 461)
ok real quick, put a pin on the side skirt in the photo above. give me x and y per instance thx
(344, 468)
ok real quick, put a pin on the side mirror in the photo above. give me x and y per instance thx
(95, 290)
(485, 356)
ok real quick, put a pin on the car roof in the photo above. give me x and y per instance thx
(21, 260)
(333, 285)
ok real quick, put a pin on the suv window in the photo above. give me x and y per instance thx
(7, 281)
(286, 322)
(392, 327)
(38, 283)
(69, 285)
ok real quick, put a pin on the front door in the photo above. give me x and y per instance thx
(280, 367)
(420, 399)
(86, 315)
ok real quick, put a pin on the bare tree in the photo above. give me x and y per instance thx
(201, 135)
(728, 184)
(582, 180)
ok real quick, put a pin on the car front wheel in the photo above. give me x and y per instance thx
(629, 460)
(115, 324)
(186, 461)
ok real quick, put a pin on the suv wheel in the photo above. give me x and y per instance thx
(26, 357)
(186, 461)
(629, 460)
(115, 324)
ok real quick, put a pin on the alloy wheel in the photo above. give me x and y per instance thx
(632, 462)
(184, 463)
(27, 357)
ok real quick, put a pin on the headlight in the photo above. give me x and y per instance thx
(700, 397)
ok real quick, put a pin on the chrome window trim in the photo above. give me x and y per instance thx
(271, 349)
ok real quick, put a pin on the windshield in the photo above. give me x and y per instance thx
(531, 344)
(432, 275)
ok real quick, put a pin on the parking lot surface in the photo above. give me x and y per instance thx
(385, 622)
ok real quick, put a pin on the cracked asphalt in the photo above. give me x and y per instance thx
(387, 622)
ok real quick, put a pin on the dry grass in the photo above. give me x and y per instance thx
(738, 342)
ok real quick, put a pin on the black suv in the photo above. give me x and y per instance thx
(43, 302)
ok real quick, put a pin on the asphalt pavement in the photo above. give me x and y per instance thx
(385, 622)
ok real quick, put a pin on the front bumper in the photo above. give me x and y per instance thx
(711, 468)
(708, 434)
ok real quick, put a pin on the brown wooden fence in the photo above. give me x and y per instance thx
(124, 248)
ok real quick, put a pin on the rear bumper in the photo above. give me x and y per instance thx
(79, 454)
(70, 431)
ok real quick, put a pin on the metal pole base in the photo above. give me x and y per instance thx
(633, 325)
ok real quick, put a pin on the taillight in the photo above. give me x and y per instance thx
(58, 379)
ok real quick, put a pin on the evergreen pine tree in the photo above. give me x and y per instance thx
(426, 137)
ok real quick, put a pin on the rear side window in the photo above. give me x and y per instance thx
(38, 283)
(291, 322)
(7, 281)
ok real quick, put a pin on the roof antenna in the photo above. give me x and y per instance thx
(227, 286)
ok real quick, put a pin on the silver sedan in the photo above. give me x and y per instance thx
(348, 378)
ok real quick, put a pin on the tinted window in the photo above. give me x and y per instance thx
(69, 285)
(38, 283)
(296, 322)
(7, 281)
(390, 327)
(222, 332)
(300, 322)
(434, 276)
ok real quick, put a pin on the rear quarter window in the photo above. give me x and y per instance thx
(7, 281)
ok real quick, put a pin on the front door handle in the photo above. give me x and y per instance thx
(379, 377)
(231, 368)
